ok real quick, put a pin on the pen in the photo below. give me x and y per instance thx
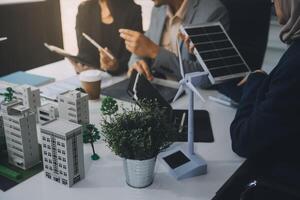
(93, 42)
(182, 123)
(3, 38)
(223, 101)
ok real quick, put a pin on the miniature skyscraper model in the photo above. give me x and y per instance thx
(30, 96)
(47, 112)
(62, 147)
(184, 163)
(21, 134)
(2, 136)
(74, 107)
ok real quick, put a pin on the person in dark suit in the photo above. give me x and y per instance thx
(266, 126)
(101, 20)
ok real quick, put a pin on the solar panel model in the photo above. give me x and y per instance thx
(216, 52)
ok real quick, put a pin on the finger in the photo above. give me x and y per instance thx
(242, 82)
(130, 71)
(146, 70)
(128, 32)
(129, 38)
(191, 48)
(139, 68)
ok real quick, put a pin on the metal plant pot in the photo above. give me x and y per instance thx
(139, 173)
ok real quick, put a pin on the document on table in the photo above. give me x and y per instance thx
(51, 91)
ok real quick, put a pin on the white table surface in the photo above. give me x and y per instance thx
(105, 178)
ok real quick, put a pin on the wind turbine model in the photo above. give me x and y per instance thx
(184, 163)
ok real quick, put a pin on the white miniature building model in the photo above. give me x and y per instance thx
(62, 145)
(21, 134)
(47, 112)
(74, 107)
(2, 136)
(30, 96)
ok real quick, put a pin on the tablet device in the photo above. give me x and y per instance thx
(140, 88)
(65, 54)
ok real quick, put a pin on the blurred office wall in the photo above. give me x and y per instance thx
(28, 26)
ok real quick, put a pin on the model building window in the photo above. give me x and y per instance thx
(45, 152)
(60, 165)
(44, 145)
(64, 159)
(58, 143)
(63, 152)
(59, 151)
(64, 166)
(48, 139)
(48, 175)
(65, 174)
(62, 144)
(64, 181)
(44, 138)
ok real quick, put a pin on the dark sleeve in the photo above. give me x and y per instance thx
(134, 23)
(264, 119)
(85, 50)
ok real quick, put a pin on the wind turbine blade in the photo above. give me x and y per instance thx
(192, 87)
(179, 93)
(180, 59)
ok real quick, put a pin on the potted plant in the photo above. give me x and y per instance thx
(137, 135)
(91, 135)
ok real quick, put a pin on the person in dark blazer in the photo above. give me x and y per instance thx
(266, 126)
(101, 20)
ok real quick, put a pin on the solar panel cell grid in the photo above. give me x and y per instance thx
(216, 51)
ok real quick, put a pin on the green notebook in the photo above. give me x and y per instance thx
(24, 78)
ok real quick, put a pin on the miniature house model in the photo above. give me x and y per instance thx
(21, 134)
(73, 106)
(47, 112)
(62, 148)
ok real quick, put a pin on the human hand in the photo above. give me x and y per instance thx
(142, 67)
(139, 44)
(242, 82)
(78, 66)
(187, 42)
(107, 63)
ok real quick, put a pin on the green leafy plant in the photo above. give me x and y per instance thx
(138, 133)
(8, 95)
(90, 135)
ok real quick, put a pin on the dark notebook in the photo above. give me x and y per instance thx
(202, 126)
(6, 184)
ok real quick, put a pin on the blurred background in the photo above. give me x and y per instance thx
(30, 23)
